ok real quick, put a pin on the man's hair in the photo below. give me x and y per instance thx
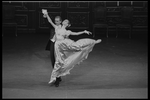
(58, 17)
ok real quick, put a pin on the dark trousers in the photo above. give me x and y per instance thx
(50, 47)
(52, 53)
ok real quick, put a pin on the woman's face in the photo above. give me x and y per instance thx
(65, 22)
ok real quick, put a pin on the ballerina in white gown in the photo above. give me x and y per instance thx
(68, 53)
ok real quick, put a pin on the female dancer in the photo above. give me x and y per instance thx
(68, 53)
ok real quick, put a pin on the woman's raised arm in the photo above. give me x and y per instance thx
(47, 16)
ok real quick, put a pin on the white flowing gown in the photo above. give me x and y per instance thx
(68, 53)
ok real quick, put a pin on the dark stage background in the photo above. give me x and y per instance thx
(82, 15)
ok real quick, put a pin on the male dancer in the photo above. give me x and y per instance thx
(50, 46)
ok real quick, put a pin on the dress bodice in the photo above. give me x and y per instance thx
(60, 33)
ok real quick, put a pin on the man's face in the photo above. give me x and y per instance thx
(57, 21)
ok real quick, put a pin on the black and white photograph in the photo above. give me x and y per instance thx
(75, 49)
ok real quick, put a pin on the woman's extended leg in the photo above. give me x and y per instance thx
(98, 41)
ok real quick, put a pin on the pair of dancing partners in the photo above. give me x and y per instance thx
(67, 52)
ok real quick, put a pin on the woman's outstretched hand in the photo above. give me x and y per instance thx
(44, 11)
(87, 32)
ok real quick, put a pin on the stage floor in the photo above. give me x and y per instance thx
(116, 68)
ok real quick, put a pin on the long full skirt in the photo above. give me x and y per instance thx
(69, 53)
